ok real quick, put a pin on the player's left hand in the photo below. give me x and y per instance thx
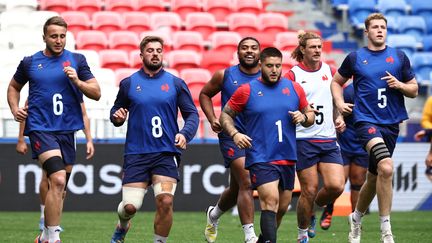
(180, 141)
(419, 135)
(90, 149)
(340, 124)
(392, 81)
(296, 116)
(21, 147)
(71, 74)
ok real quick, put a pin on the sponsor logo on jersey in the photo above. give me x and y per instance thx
(365, 62)
(138, 88)
(235, 82)
(260, 93)
(39, 66)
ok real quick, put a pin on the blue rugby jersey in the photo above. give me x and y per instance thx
(153, 104)
(374, 101)
(53, 101)
(233, 78)
(267, 121)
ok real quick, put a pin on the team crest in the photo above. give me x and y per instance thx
(286, 91)
(165, 87)
(389, 60)
(324, 78)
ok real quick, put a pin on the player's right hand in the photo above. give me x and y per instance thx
(242, 141)
(21, 114)
(120, 115)
(216, 126)
(345, 108)
(21, 147)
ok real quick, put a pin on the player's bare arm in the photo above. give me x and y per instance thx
(227, 122)
(13, 97)
(336, 87)
(408, 89)
(90, 88)
(210, 89)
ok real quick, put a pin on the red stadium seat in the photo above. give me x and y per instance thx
(287, 61)
(214, 60)
(165, 19)
(107, 21)
(184, 7)
(195, 89)
(77, 21)
(181, 59)
(220, 9)
(286, 41)
(272, 23)
(243, 23)
(124, 40)
(150, 6)
(88, 6)
(122, 73)
(249, 6)
(205, 23)
(225, 41)
(91, 40)
(135, 59)
(195, 75)
(120, 6)
(166, 37)
(114, 59)
(136, 21)
(172, 71)
(188, 40)
(58, 6)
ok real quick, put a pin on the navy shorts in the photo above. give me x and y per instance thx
(229, 150)
(358, 159)
(311, 153)
(367, 131)
(41, 142)
(141, 167)
(261, 173)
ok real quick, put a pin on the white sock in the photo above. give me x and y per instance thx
(357, 216)
(160, 239)
(124, 223)
(42, 210)
(301, 233)
(216, 213)
(53, 233)
(44, 234)
(249, 231)
(385, 223)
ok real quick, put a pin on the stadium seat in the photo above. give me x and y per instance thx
(188, 40)
(92, 40)
(114, 59)
(123, 40)
(219, 9)
(5, 42)
(25, 41)
(359, 10)
(184, 7)
(422, 65)
(172, 71)
(392, 25)
(427, 43)
(70, 41)
(26, 6)
(248, 6)
(412, 25)
(205, 23)
(105, 78)
(195, 89)
(287, 61)
(92, 58)
(181, 59)
(107, 21)
(225, 41)
(77, 21)
(428, 25)
(120, 6)
(122, 73)
(195, 75)
(165, 19)
(38, 18)
(135, 59)
(166, 37)
(136, 22)
(88, 6)
(421, 7)
(406, 43)
(392, 8)
(214, 60)
(243, 23)
(16, 21)
(150, 6)
(286, 41)
(58, 6)
(272, 23)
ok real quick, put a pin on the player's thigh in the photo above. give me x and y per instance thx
(333, 175)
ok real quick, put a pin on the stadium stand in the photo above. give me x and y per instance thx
(248, 6)
(188, 40)
(205, 23)
(136, 21)
(272, 23)
(406, 43)
(150, 6)
(195, 75)
(219, 9)
(394, 8)
(421, 7)
(123, 40)
(224, 41)
(121, 73)
(58, 6)
(77, 21)
(286, 41)
(27, 6)
(114, 59)
(165, 19)
(120, 6)
(184, 7)
(92, 40)
(88, 6)
(412, 25)
(107, 21)
(243, 23)
(181, 59)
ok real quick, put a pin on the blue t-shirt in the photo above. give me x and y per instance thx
(153, 104)
(374, 101)
(54, 102)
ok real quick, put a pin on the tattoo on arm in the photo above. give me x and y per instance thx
(227, 120)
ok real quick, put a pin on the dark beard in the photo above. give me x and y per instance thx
(267, 81)
(152, 67)
(248, 65)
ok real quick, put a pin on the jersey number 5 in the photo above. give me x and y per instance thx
(382, 98)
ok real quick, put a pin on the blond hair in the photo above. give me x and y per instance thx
(303, 37)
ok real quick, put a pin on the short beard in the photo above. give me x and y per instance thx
(266, 79)
(243, 63)
(152, 67)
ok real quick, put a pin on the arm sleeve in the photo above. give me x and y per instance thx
(188, 110)
(346, 69)
(290, 75)
(238, 100)
(407, 71)
(122, 100)
(21, 75)
(83, 71)
(302, 96)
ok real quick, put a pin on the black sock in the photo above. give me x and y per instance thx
(268, 226)
(329, 207)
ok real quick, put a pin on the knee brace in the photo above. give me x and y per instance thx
(355, 187)
(164, 187)
(379, 152)
(53, 164)
(133, 196)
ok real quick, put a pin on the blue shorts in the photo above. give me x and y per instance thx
(141, 167)
(261, 173)
(367, 131)
(311, 153)
(358, 159)
(41, 142)
(229, 150)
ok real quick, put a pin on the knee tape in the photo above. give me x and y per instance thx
(379, 152)
(134, 196)
(53, 164)
(164, 187)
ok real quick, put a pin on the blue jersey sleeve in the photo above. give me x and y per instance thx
(188, 110)
(21, 74)
(347, 67)
(122, 100)
(407, 71)
(83, 71)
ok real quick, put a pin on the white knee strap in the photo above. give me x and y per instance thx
(164, 187)
(134, 196)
